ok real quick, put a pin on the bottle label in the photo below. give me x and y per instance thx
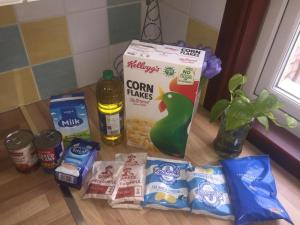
(111, 124)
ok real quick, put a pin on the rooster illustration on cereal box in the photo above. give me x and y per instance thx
(170, 133)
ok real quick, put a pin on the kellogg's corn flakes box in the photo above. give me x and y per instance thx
(160, 84)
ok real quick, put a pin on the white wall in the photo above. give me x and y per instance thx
(209, 12)
(175, 15)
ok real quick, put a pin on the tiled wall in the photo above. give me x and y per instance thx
(175, 17)
(51, 46)
(205, 22)
(196, 21)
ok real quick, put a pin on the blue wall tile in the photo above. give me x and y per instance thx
(124, 23)
(55, 77)
(12, 52)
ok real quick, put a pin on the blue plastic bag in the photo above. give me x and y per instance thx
(252, 190)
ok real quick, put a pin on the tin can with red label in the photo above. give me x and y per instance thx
(22, 151)
(50, 148)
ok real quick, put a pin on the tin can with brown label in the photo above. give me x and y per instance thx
(22, 151)
(49, 148)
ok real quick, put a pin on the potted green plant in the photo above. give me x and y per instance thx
(239, 113)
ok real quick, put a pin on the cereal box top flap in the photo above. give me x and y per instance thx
(168, 53)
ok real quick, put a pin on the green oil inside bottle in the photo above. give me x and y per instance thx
(110, 108)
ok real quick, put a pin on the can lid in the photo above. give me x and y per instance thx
(107, 75)
(18, 139)
(47, 139)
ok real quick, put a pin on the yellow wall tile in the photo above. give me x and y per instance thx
(47, 39)
(17, 88)
(200, 33)
(7, 15)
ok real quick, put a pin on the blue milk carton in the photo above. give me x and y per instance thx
(70, 117)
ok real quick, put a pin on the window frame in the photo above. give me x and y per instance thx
(274, 38)
(238, 34)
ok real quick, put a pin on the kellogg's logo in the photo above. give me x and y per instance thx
(142, 65)
(168, 172)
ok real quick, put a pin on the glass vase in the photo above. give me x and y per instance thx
(229, 143)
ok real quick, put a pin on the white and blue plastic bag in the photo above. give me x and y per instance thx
(166, 186)
(208, 192)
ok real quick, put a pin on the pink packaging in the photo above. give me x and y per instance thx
(105, 176)
(130, 189)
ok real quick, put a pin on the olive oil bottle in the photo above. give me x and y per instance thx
(110, 108)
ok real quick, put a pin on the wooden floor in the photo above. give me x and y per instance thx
(35, 199)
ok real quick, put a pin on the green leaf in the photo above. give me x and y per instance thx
(266, 102)
(271, 116)
(263, 120)
(241, 94)
(236, 81)
(238, 114)
(290, 121)
(218, 109)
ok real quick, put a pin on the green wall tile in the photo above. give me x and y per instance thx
(55, 77)
(12, 52)
(118, 2)
(124, 23)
